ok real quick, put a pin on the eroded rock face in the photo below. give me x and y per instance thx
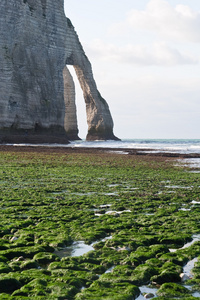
(36, 42)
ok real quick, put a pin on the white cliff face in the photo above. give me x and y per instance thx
(36, 42)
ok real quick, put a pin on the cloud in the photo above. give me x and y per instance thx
(160, 54)
(179, 23)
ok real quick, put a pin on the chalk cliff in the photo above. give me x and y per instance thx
(37, 97)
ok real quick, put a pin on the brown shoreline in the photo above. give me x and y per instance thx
(92, 150)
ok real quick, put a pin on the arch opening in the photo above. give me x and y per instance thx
(75, 122)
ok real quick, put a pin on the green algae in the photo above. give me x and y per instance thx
(48, 201)
(172, 290)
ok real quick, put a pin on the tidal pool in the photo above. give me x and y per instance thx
(146, 290)
(189, 266)
(195, 238)
(76, 249)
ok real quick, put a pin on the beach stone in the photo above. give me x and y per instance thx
(37, 41)
(149, 296)
(113, 213)
(123, 249)
(20, 258)
(184, 277)
(14, 238)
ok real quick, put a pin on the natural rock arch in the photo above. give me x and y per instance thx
(37, 41)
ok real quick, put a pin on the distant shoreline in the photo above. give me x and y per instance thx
(93, 150)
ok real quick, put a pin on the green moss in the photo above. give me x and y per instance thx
(8, 285)
(50, 199)
(108, 291)
(172, 290)
(45, 258)
(166, 276)
(4, 268)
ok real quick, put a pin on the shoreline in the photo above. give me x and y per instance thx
(92, 150)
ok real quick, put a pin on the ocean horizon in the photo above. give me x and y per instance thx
(171, 145)
(167, 145)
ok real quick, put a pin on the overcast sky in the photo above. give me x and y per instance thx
(145, 56)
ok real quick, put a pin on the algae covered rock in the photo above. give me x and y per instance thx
(45, 258)
(4, 268)
(172, 290)
(9, 285)
(107, 291)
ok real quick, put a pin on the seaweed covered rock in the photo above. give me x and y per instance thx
(172, 290)
(9, 285)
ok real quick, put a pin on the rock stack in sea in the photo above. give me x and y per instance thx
(37, 97)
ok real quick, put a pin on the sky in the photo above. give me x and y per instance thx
(145, 56)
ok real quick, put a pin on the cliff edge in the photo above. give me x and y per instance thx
(37, 97)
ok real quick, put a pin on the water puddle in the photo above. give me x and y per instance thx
(144, 290)
(192, 162)
(110, 270)
(105, 205)
(76, 249)
(110, 212)
(194, 294)
(189, 266)
(195, 238)
(195, 202)
(102, 240)
(84, 194)
(111, 194)
(184, 276)
(178, 187)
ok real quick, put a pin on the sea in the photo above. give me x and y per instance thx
(165, 145)
(183, 146)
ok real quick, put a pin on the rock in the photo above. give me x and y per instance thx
(37, 41)
(166, 276)
(14, 238)
(8, 285)
(113, 213)
(184, 277)
(172, 290)
(20, 258)
(123, 249)
(148, 296)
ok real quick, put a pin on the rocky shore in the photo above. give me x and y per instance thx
(137, 214)
(130, 151)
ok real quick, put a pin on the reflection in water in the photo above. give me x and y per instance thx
(76, 249)
(189, 266)
(146, 290)
(195, 238)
